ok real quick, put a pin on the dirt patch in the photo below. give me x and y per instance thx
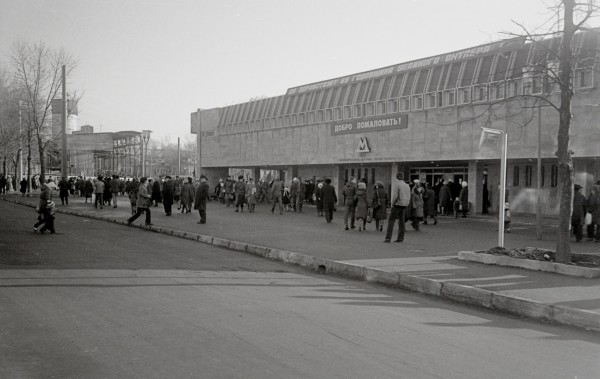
(534, 253)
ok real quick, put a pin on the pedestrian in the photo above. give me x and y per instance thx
(507, 217)
(45, 197)
(107, 198)
(464, 198)
(23, 188)
(286, 199)
(114, 189)
(578, 214)
(319, 199)
(177, 184)
(429, 204)
(240, 193)
(63, 190)
(229, 194)
(187, 196)
(168, 195)
(379, 204)
(277, 195)
(3, 183)
(99, 191)
(252, 200)
(88, 190)
(143, 203)
(329, 200)
(300, 195)
(362, 206)
(48, 218)
(399, 200)
(133, 195)
(445, 199)
(349, 202)
(202, 198)
(220, 191)
(156, 192)
(417, 204)
(294, 193)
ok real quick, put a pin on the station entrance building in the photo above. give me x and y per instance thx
(423, 118)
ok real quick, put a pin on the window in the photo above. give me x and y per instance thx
(294, 120)
(347, 112)
(528, 175)
(358, 110)
(497, 90)
(464, 95)
(381, 107)
(369, 109)
(405, 104)
(328, 115)
(449, 97)
(516, 174)
(514, 88)
(480, 93)
(543, 176)
(584, 78)
(392, 106)
(554, 176)
(311, 117)
(417, 102)
(337, 113)
(431, 100)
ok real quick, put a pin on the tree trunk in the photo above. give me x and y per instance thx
(42, 159)
(565, 163)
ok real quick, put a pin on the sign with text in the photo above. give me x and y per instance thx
(371, 124)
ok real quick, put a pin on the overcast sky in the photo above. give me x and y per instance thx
(147, 64)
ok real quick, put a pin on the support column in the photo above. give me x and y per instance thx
(476, 186)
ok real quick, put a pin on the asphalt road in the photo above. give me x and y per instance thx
(99, 300)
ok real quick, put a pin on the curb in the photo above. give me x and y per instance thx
(448, 290)
(529, 264)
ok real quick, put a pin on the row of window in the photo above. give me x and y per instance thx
(508, 73)
(527, 177)
(536, 85)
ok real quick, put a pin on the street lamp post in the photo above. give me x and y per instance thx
(146, 139)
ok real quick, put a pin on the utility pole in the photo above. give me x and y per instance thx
(63, 165)
(178, 156)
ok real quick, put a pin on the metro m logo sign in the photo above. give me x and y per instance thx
(363, 145)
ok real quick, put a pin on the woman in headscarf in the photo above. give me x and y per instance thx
(362, 206)
(379, 204)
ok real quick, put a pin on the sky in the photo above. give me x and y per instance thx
(148, 64)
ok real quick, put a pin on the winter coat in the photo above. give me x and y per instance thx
(201, 196)
(362, 206)
(579, 209)
(187, 194)
(156, 191)
(329, 197)
(445, 195)
(143, 198)
(168, 192)
(417, 203)
(349, 191)
(99, 186)
(429, 207)
(319, 196)
(379, 195)
(593, 206)
(464, 198)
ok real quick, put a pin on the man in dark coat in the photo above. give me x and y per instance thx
(156, 192)
(329, 200)
(579, 211)
(168, 195)
(201, 199)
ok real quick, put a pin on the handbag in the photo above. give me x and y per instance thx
(588, 219)
(369, 216)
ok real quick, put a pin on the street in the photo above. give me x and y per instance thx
(100, 300)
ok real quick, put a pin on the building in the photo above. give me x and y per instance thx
(93, 154)
(423, 118)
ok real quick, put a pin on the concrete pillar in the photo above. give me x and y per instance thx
(476, 172)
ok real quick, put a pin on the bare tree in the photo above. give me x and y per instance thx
(9, 123)
(38, 73)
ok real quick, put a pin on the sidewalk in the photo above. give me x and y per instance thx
(425, 262)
